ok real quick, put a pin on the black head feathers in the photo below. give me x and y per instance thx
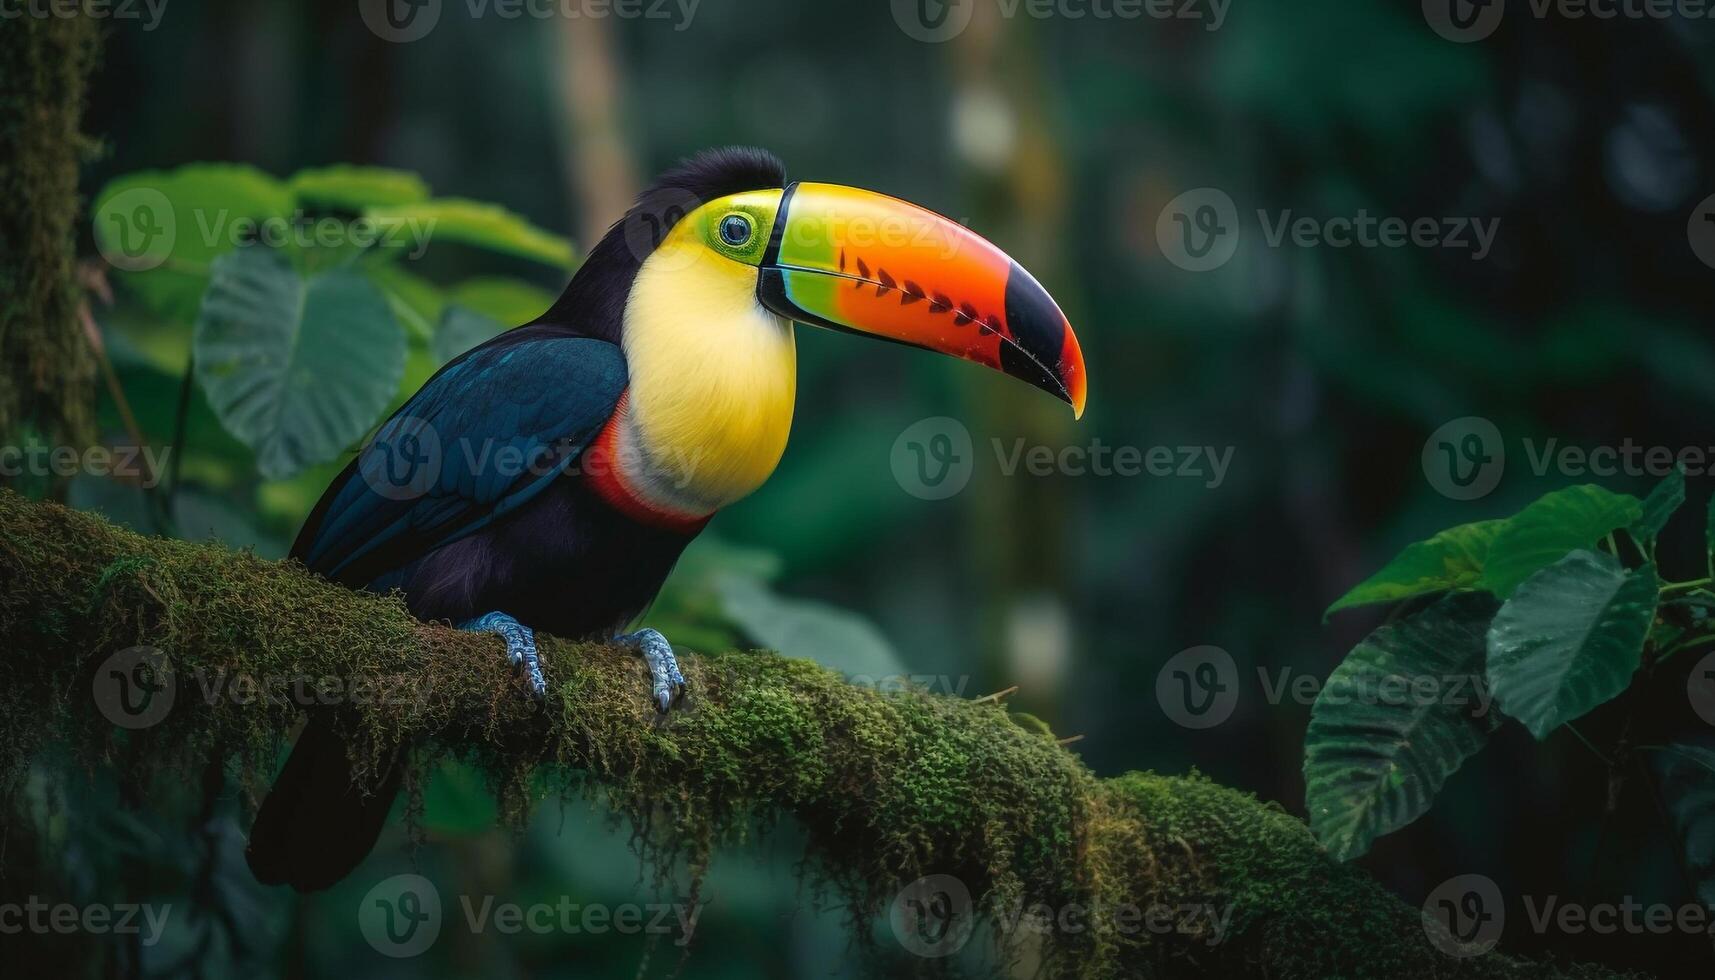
(716, 173)
(593, 303)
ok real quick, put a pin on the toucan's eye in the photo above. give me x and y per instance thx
(735, 230)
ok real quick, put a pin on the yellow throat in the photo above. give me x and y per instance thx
(714, 377)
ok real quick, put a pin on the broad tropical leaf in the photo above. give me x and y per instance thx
(1556, 524)
(1453, 559)
(460, 330)
(1570, 638)
(483, 225)
(1399, 715)
(167, 227)
(1686, 781)
(1659, 506)
(509, 301)
(356, 188)
(297, 369)
(833, 637)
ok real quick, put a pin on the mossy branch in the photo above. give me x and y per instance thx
(888, 787)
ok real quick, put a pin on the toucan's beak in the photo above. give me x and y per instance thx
(863, 262)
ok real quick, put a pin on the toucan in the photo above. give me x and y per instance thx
(550, 478)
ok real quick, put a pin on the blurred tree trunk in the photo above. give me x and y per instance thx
(1004, 138)
(601, 168)
(47, 371)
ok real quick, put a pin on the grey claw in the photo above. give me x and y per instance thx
(667, 684)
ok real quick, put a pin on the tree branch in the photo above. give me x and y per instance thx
(889, 787)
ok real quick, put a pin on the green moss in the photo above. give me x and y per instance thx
(888, 786)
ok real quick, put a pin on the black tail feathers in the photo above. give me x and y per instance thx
(316, 826)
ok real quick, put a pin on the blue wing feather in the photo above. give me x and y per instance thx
(482, 438)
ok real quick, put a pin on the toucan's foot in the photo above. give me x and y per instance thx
(520, 645)
(668, 683)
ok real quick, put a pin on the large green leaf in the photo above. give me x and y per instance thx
(1557, 523)
(510, 301)
(1453, 559)
(486, 226)
(460, 330)
(1399, 715)
(297, 369)
(1660, 505)
(417, 302)
(193, 215)
(1570, 638)
(833, 637)
(356, 188)
(1686, 778)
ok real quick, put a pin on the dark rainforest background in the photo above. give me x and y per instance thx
(1509, 251)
